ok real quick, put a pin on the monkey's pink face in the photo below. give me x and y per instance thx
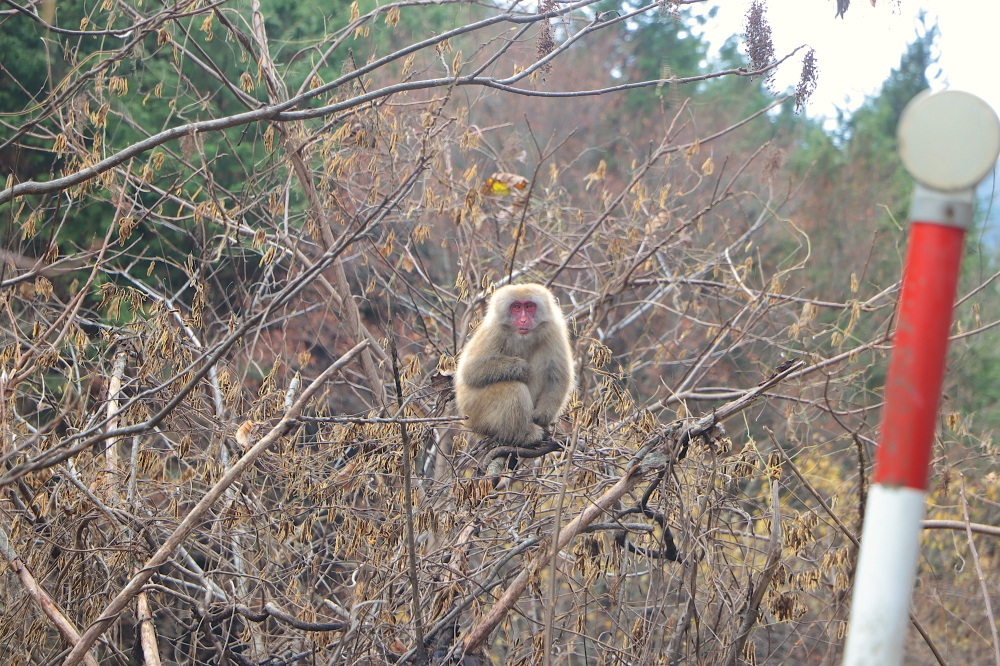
(522, 315)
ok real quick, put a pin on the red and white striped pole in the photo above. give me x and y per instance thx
(948, 142)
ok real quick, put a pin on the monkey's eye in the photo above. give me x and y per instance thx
(530, 307)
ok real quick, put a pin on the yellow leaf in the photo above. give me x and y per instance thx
(496, 187)
(597, 175)
(502, 183)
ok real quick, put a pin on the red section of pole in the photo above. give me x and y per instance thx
(916, 369)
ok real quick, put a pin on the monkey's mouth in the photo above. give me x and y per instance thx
(524, 331)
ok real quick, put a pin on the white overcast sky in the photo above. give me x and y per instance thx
(855, 54)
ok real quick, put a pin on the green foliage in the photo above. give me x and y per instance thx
(659, 45)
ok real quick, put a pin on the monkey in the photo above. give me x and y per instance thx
(515, 375)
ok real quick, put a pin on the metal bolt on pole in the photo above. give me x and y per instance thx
(948, 141)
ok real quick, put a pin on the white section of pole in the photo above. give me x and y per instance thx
(887, 565)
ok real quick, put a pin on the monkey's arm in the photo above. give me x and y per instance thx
(495, 369)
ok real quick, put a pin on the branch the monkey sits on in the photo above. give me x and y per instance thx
(515, 375)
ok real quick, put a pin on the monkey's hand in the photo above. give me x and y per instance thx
(547, 409)
(497, 369)
(543, 418)
(556, 385)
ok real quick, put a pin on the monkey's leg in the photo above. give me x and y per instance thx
(503, 410)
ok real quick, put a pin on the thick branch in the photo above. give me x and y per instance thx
(42, 598)
(192, 520)
(478, 633)
(283, 111)
(978, 528)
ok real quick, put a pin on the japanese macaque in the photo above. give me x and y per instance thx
(515, 375)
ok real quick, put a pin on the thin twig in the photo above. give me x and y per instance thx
(752, 606)
(553, 571)
(114, 388)
(982, 579)
(411, 542)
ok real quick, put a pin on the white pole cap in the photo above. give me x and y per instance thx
(948, 140)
